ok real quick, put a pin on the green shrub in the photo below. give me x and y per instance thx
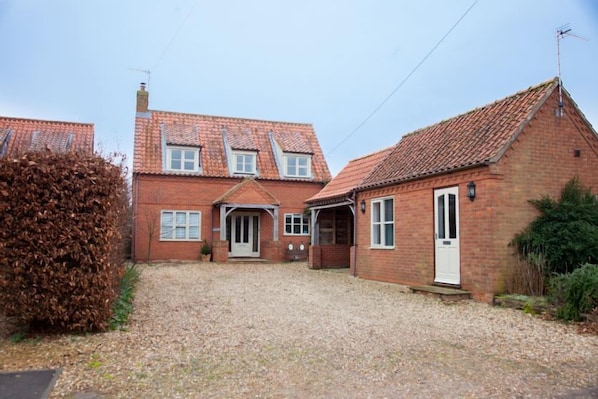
(123, 306)
(565, 233)
(62, 218)
(575, 293)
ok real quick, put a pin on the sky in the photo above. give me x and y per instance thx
(330, 63)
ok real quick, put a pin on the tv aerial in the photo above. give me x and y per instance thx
(561, 33)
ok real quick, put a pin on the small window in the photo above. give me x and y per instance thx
(244, 163)
(182, 159)
(296, 224)
(383, 223)
(297, 166)
(180, 226)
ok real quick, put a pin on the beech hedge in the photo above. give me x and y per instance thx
(62, 226)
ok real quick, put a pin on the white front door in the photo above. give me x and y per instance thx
(244, 237)
(446, 235)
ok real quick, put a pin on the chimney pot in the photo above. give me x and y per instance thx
(142, 86)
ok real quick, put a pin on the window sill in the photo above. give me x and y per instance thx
(180, 240)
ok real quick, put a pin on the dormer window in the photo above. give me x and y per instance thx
(297, 165)
(244, 162)
(182, 159)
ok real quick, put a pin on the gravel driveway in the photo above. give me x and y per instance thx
(284, 331)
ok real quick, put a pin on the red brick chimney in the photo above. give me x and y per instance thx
(142, 99)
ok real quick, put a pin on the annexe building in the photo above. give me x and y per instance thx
(444, 204)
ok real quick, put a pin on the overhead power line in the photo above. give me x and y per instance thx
(176, 33)
(388, 97)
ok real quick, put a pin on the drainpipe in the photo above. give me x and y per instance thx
(134, 220)
(352, 197)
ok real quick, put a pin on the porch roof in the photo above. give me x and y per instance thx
(349, 178)
(248, 191)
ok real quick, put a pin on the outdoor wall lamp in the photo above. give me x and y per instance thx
(471, 190)
(362, 206)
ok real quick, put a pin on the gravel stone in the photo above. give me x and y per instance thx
(206, 330)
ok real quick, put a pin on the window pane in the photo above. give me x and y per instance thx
(175, 154)
(388, 210)
(288, 228)
(189, 165)
(302, 161)
(237, 229)
(176, 165)
(440, 216)
(376, 234)
(181, 218)
(306, 228)
(166, 225)
(194, 232)
(193, 219)
(288, 218)
(297, 229)
(452, 216)
(389, 234)
(189, 155)
(180, 232)
(376, 212)
(245, 229)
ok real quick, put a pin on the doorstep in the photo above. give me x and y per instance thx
(443, 293)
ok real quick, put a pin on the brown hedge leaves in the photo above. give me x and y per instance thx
(62, 220)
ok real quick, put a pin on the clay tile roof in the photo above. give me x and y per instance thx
(293, 141)
(475, 138)
(241, 140)
(349, 178)
(55, 141)
(180, 134)
(19, 135)
(215, 134)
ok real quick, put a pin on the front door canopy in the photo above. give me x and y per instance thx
(226, 209)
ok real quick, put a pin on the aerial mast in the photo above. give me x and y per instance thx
(561, 33)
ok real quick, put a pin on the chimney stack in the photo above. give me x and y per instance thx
(142, 99)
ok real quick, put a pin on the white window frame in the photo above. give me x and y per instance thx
(176, 225)
(381, 223)
(303, 223)
(296, 158)
(246, 155)
(184, 150)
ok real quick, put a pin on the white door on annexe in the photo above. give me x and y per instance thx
(244, 231)
(446, 236)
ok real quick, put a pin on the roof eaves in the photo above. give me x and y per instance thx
(390, 182)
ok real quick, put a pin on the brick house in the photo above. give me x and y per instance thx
(20, 135)
(443, 205)
(239, 184)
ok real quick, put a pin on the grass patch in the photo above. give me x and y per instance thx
(123, 306)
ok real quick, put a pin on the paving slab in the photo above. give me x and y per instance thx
(30, 384)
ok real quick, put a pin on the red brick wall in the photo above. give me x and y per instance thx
(153, 193)
(330, 256)
(540, 162)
